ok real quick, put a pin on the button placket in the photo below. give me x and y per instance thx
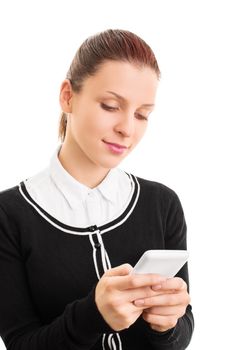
(97, 245)
(92, 208)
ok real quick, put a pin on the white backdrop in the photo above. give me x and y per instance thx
(188, 145)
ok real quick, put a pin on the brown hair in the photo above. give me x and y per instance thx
(111, 44)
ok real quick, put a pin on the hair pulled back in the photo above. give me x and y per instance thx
(111, 44)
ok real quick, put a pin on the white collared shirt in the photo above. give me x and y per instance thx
(75, 204)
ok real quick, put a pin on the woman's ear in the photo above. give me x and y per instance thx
(65, 97)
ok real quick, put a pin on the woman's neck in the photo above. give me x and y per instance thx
(80, 167)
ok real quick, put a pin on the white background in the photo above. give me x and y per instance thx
(188, 145)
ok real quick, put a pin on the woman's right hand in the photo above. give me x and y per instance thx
(116, 291)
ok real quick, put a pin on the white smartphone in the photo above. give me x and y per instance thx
(163, 262)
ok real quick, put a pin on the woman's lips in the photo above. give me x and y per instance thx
(115, 147)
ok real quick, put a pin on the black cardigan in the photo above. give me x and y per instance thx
(49, 270)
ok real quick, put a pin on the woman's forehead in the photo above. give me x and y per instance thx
(122, 79)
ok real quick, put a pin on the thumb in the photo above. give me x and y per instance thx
(121, 270)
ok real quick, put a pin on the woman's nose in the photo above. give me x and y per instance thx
(125, 125)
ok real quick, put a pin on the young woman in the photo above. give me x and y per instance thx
(70, 235)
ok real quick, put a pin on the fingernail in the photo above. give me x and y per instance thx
(139, 302)
(158, 286)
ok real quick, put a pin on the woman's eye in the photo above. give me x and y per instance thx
(112, 109)
(140, 116)
(108, 108)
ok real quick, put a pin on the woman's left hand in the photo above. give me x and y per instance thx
(169, 303)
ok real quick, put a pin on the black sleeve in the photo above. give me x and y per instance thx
(177, 338)
(78, 327)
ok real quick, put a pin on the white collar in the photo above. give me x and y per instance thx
(73, 190)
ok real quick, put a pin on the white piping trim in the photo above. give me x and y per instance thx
(83, 233)
(103, 251)
(107, 260)
(50, 221)
(94, 255)
(126, 217)
(110, 341)
(114, 344)
(103, 340)
(119, 339)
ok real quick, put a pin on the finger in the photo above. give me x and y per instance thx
(160, 322)
(175, 283)
(134, 281)
(162, 300)
(139, 293)
(161, 291)
(166, 310)
(121, 270)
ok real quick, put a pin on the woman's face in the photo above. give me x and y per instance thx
(110, 115)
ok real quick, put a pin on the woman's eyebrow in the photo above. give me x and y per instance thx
(124, 100)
